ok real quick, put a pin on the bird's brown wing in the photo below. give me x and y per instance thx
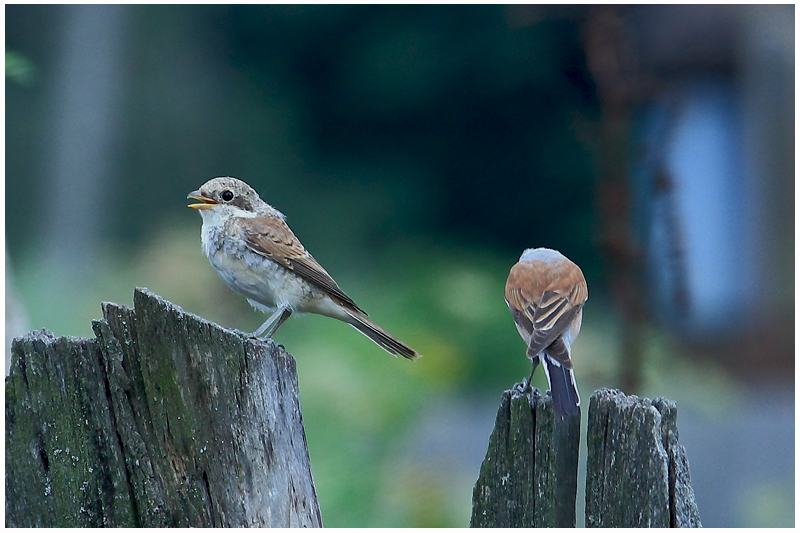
(547, 308)
(272, 238)
(544, 320)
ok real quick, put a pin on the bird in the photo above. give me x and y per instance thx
(250, 245)
(545, 293)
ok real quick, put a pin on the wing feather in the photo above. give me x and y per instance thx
(272, 238)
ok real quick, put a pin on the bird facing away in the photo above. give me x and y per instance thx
(545, 293)
(252, 248)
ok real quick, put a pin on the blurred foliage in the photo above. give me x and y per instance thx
(468, 123)
(767, 504)
(20, 69)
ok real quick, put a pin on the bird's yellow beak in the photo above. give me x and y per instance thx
(207, 203)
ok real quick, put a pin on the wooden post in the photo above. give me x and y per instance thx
(163, 419)
(637, 473)
(529, 475)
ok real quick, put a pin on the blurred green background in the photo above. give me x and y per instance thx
(416, 151)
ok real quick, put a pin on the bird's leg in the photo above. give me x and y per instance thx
(526, 384)
(534, 364)
(284, 315)
(276, 320)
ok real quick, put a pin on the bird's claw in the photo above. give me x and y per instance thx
(524, 387)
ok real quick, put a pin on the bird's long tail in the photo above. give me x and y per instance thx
(562, 386)
(377, 335)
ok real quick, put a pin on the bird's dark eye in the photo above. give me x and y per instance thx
(227, 196)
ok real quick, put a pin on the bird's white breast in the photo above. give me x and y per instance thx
(266, 284)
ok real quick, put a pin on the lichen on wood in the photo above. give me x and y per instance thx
(163, 419)
(529, 475)
(637, 474)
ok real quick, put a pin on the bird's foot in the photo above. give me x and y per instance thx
(524, 387)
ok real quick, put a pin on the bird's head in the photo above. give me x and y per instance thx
(227, 197)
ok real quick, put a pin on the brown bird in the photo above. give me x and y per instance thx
(545, 293)
(252, 248)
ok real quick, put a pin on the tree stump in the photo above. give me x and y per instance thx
(163, 419)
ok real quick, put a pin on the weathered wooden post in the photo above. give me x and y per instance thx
(163, 419)
(529, 476)
(637, 473)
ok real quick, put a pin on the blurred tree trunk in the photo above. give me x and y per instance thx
(163, 419)
(87, 116)
(618, 86)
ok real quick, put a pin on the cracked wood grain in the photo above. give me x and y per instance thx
(163, 419)
(637, 473)
(529, 475)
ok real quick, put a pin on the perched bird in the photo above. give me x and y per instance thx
(545, 293)
(257, 255)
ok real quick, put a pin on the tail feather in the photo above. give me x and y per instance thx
(562, 386)
(377, 335)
